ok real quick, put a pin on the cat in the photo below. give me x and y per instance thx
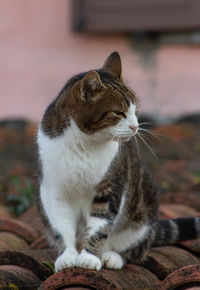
(99, 205)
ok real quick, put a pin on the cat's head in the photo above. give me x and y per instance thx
(102, 106)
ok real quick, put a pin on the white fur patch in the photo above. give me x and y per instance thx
(175, 230)
(61, 214)
(95, 224)
(72, 165)
(66, 260)
(121, 207)
(126, 239)
(88, 261)
(112, 260)
(73, 162)
(122, 129)
(131, 117)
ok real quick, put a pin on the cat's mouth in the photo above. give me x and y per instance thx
(123, 138)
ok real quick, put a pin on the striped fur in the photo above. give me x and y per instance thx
(167, 232)
(99, 205)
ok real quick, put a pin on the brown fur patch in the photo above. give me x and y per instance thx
(95, 100)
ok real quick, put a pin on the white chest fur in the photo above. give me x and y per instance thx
(72, 164)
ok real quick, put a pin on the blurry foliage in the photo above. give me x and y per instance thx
(20, 202)
(196, 177)
(50, 266)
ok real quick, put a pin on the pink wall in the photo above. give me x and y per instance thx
(38, 53)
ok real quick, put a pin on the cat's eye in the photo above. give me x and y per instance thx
(120, 113)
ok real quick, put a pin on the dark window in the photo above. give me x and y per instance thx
(134, 15)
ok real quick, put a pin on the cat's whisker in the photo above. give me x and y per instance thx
(120, 146)
(148, 146)
(155, 125)
(122, 132)
(149, 123)
(138, 150)
(151, 133)
(146, 138)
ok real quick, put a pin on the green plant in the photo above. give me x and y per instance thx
(24, 197)
(196, 177)
(50, 266)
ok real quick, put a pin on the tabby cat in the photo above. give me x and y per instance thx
(99, 205)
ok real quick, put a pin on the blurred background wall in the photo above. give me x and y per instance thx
(39, 52)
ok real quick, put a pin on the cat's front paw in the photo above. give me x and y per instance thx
(112, 260)
(66, 260)
(88, 261)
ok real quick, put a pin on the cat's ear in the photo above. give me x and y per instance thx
(90, 84)
(113, 64)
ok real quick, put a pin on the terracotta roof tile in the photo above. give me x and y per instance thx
(32, 218)
(171, 211)
(193, 246)
(12, 241)
(25, 258)
(40, 243)
(3, 246)
(191, 199)
(4, 212)
(35, 261)
(15, 277)
(164, 260)
(21, 229)
(184, 278)
(129, 277)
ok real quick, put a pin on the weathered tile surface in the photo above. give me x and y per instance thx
(25, 257)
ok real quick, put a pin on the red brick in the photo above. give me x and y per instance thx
(185, 278)
(130, 277)
(13, 277)
(164, 260)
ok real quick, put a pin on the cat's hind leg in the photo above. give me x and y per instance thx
(112, 260)
(118, 244)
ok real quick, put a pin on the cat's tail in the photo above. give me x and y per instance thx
(166, 232)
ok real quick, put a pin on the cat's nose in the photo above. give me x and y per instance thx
(134, 128)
